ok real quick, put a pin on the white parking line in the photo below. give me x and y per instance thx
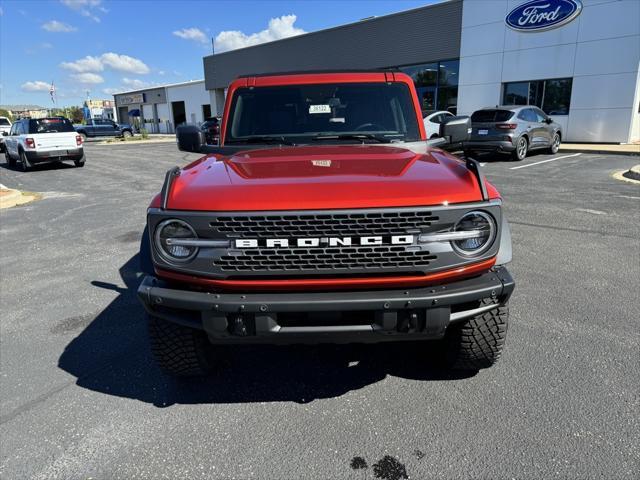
(545, 161)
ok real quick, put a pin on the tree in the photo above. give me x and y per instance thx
(5, 113)
(75, 114)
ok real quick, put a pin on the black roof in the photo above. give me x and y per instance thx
(307, 72)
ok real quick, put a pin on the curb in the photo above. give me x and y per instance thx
(13, 197)
(630, 176)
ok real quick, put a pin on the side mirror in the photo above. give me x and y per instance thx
(549, 121)
(190, 138)
(456, 129)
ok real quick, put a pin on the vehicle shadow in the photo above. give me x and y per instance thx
(492, 157)
(39, 167)
(111, 355)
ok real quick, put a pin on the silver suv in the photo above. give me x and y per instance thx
(514, 130)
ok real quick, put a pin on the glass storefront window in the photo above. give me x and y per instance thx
(552, 96)
(436, 84)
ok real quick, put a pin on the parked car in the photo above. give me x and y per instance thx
(515, 130)
(432, 120)
(325, 215)
(211, 129)
(5, 127)
(42, 140)
(100, 127)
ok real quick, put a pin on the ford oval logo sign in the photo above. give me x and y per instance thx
(539, 15)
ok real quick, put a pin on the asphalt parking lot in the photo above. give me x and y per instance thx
(81, 397)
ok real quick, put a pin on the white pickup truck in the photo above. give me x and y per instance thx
(42, 140)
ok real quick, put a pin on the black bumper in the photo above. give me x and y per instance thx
(54, 155)
(331, 317)
(490, 146)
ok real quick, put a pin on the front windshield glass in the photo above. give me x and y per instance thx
(350, 112)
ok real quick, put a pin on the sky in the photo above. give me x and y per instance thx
(107, 46)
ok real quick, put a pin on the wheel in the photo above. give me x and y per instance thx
(555, 144)
(468, 153)
(83, 136)
(522, 147)
(79, 163)
(10, 160)
(477, 343)
(24, 163)
(127, 134)
(179, 351)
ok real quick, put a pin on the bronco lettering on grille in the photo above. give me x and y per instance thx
(323, 241)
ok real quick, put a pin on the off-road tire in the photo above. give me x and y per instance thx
(522, 149)
(24, 162)
(10, 160)
(179, 351)
(478, 342)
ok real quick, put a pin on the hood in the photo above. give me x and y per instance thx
(324, 177)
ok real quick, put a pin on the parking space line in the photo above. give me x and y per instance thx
(545, 161)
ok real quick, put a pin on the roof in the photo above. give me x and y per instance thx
(315, 72)
(153, 87)
(508, 107)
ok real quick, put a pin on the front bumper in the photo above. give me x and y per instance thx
(37, 156)
(490, 146)
(327, 317)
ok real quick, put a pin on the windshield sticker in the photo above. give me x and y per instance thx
(319, 108)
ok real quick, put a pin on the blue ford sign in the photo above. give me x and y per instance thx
(539, 15)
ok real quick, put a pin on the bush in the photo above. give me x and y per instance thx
(144, 133)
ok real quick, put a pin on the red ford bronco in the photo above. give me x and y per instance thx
(324, 215)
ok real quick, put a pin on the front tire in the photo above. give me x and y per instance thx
(478, 342)
(522, 147)
(127, 134)
(83, 136)
(180, 351)
(555, 144)
(10, 160)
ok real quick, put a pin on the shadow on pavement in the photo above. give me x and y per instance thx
(112, 356)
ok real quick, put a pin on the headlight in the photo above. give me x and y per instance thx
(481, 228)
(172, 241)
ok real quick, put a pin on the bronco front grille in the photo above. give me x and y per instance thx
(323, 225)
(323, 259)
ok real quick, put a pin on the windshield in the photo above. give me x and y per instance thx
(491, 116)
(50, 125)
(352, 112)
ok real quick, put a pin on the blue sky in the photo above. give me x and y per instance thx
(105, 46)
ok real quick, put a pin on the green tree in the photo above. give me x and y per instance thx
(75, 114)
(5, 113)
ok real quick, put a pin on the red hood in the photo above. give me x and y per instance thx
(324, 177)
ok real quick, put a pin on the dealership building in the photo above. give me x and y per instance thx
(160, 109)
(578, 60)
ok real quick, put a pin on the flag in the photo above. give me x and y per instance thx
(52, 92)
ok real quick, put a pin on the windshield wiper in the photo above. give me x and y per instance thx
(352, 136)
(262, 139)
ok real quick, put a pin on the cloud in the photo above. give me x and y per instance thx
(86, 64)
(111, 91)
(88, 78)
(135, 83)
(281, 27)
(86, 8)
(113, 61)
(56, 26)
(124, 63)
(193, 33)
(36, 86)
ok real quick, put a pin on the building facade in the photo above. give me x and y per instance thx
(160, 109)
(578, 60)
